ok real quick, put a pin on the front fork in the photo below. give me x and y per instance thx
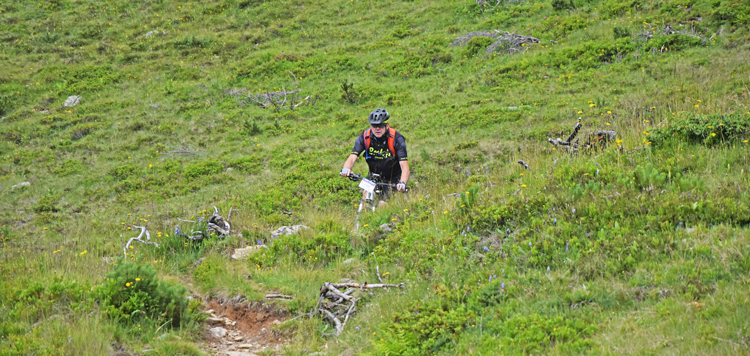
(370, 199)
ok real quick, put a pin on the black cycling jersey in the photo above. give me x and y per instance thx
(379, 158)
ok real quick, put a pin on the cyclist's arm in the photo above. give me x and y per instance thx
(405, 172)
(349, 163)
(400, 146)
(359, 146)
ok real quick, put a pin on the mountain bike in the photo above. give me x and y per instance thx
(373, 187)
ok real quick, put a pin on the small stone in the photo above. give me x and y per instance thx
(218, 332)
(242, 253)
(386, 227)
(287, 230)
(276, 322)
(244, 346)
(346, 262)
(210, 311)
(214, 320)
(72, 101)
(239, 338)
(19, 185)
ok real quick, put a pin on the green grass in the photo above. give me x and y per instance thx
(656, 232)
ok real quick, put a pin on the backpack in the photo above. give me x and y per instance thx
(391, 140)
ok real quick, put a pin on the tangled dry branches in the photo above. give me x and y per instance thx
(509, 42)
(337, 306)
(148, 241)
(276, 99)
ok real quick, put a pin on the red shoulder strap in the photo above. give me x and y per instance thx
(367, 140)
(392, 140)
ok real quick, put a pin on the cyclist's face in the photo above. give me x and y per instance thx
(379, 130)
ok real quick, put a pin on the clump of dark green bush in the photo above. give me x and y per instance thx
(132, 292)
(560, 5)
(477, 45)
(6, 104)
(709, 130)
(621, 32)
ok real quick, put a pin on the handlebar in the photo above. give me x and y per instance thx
(356, 178)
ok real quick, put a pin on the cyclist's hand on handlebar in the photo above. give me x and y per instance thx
(401, 186)
(345, 172)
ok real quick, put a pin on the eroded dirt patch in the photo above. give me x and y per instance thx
(243, 328)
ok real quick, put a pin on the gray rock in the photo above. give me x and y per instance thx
(386, 227)
(72, 101)
(19, 185)
(214, 320)
(287, 230)
(151, 33)
(237, 353)
(218, 332)
(243, 253)
(346, 262)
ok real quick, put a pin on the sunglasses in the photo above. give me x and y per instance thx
(378, 126)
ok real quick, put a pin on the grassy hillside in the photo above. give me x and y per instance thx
(640, 247)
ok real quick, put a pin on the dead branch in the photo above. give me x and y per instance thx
(148, 241)
(576, 128)
(218, 225)
(377, 270)
(462, 40)
(366, 286)
(511, 42)
(279, 296)
(334, 304)
(337, 324)
(183, 150)
(523, 164)
(276, 99)
(293, 76)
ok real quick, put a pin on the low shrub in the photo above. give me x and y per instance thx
(132, 292)
(477, 45)
(708, 130)
(200, 169)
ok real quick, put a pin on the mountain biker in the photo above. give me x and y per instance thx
(385, 152)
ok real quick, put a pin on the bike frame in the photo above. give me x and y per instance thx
(369, 197)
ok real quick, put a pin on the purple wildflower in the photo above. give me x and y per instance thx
(502, 286)
(486, 249)
(555, 221)
(259, 242)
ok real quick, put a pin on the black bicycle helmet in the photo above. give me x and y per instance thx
(378, 117)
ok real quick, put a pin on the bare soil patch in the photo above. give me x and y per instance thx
(248, 327)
